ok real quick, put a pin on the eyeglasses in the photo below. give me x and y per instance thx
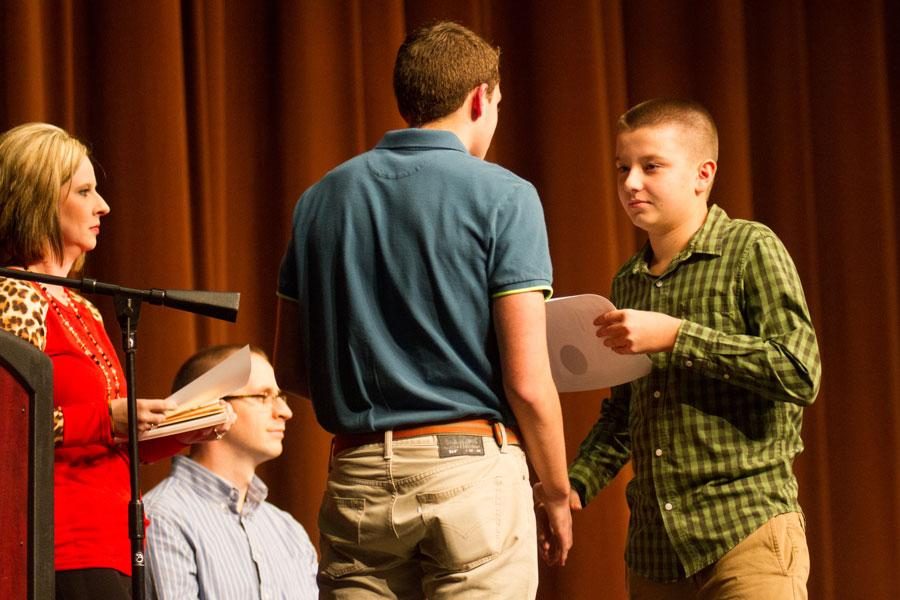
(260, 399)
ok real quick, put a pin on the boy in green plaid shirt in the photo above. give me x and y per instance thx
(713, 430)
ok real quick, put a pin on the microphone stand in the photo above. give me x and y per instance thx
(219, 305)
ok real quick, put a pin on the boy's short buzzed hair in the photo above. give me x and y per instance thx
(437, 66)
(670, 111)
(206, 359)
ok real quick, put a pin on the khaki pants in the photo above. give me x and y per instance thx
(399, 521)
(772, 563)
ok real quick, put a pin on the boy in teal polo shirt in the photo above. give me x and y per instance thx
(411, 313)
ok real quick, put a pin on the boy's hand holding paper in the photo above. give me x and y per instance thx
(579, 359)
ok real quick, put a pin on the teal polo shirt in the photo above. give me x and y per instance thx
(394, 260)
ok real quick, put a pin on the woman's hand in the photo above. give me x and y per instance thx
(150, 413)
(210, 433)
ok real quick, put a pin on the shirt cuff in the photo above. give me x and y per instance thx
(544, 288)
(284, 296)
(578, 488)
(585, 480)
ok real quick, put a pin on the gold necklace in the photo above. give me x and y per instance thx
(106, 365)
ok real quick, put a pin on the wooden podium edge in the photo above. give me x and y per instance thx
(34, 370)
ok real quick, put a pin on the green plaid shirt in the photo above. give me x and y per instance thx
(712, 431)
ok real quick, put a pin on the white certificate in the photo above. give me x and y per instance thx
(198, 402)
(231, 374)
(578, 358)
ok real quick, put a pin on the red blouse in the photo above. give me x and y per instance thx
(91, 473)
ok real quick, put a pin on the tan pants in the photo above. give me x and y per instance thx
(772, 563)
(399, 521)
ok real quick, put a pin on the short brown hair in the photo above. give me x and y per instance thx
(437, 66)
(36, 160)
(205, 359)
(689, 114)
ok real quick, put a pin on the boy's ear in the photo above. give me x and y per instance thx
(706, 173)
(479, 99)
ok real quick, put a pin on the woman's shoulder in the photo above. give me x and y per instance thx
(23, 311)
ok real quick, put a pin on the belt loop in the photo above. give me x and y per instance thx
(499, 434)
(388, 444)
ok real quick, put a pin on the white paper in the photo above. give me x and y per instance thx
(578, 359)
(231, 374)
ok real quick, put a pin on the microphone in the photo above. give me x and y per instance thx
(218, 305)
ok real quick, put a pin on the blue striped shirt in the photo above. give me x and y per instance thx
(200, 546)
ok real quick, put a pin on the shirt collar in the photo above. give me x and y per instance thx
(417, 138)
(707, 240)
(212, 487)
(710, 237)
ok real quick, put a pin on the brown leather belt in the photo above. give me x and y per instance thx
(480, 427)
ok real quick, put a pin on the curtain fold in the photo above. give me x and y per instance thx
(209, 118)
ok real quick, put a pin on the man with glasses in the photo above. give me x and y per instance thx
(211, 532)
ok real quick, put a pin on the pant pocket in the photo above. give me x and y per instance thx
(339, 526)
(789, 543)
(463, 524)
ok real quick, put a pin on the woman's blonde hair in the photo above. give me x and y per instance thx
(36, 160)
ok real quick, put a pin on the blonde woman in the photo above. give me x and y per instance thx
(50, 217)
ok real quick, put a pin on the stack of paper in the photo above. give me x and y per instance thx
(198, 402)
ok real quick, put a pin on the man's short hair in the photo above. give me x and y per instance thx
(689, 114)
(437, 66)
(206, 359)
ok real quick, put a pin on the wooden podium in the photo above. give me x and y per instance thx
(26, 478)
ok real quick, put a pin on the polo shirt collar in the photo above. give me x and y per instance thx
(417, 138)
